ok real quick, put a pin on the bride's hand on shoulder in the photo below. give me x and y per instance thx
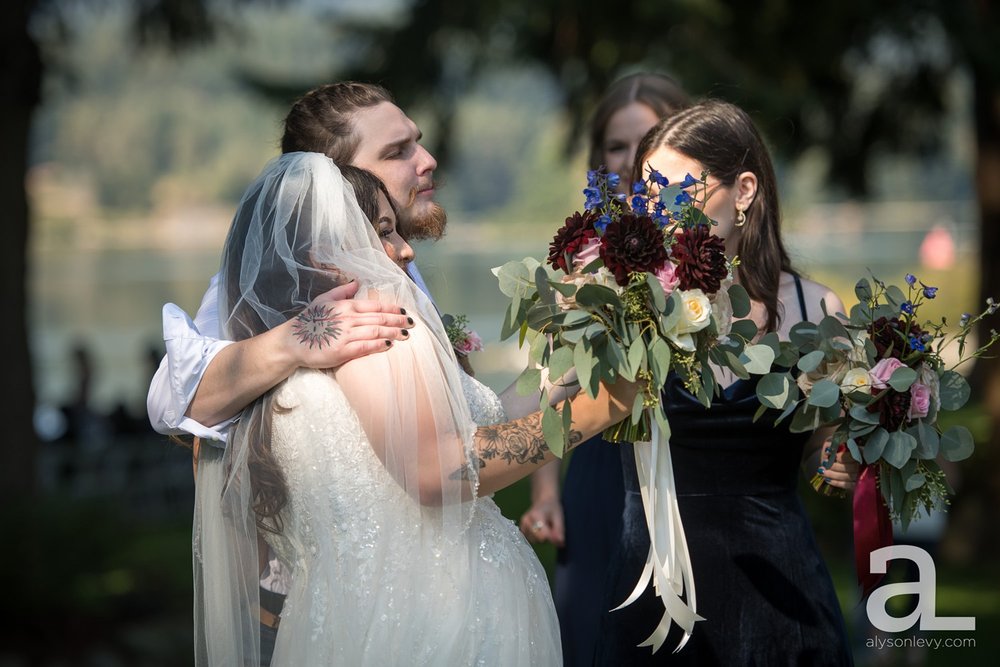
(336, 328)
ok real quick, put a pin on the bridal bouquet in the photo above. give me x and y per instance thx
(636, 287)
(881, 380)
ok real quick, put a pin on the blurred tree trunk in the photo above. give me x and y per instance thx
(983, 497)
(20, 81)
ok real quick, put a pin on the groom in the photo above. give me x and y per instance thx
(204, 382)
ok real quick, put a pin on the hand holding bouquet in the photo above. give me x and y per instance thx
(881, 380)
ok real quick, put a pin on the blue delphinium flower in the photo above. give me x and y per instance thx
(964, 320)
(639, 205)
(602, 223)
(658, 178)
(613, 180)
(929, 292)
(683, 198)
(917, 344)
(639, 188)
(911, 279)
(907, 308)
(592, 177)
(688, 181)
(594, 198)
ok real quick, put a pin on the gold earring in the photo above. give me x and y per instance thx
(741, 217)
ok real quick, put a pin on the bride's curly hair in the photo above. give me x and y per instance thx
(269, 488)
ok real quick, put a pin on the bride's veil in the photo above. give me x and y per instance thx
(298, 232)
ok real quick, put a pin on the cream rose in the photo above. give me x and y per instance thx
(695, 315)
(696, 311)
(856, 379)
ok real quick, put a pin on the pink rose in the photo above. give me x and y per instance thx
(882, 371)
(472, 343)
(920, 400)
(667, 275)
(589, 251)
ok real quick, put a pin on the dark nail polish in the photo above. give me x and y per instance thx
(402, 311)
(388, 343)
(409, 320)
(405, 332)
(821, 470)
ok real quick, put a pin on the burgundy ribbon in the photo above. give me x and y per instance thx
(872, 526)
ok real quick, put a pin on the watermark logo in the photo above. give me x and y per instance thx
(925, 588)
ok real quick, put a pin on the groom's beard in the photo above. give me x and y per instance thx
(428, 223)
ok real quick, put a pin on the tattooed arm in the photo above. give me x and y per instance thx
(332, 330)
(512, 450)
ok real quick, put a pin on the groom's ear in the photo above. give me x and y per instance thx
(746, 189)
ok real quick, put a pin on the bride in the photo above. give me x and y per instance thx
(370, 481)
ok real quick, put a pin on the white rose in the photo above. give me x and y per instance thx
(696, 311)
(856, 379)
(695, 315)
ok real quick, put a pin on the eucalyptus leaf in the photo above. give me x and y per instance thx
(788, 356)
(757, 359)
(566, 289)
(671, 313)
(811, 361)
(660, 360)
(561, 361)
(636, 355)
(772, 341)
(552, 430)
(914, 482)
(859, 413)
(774, 389)
(863, 290)
(574, 318)
(585, 363)
(740, 300)
(806, 418)
(761, 409)
(875, 445)
(830, 327)
(928, 441)
(803, 333)
(656, 292)
(529, 381)
(852, 447)
(902, 378)
(593, 296)
(745, 329)
(824, 394)
(954, 391)
(736, 366)
(898, 449)
(515, 277)
(957, 444)
(539, 350)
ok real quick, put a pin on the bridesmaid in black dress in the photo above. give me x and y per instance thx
(761, 584)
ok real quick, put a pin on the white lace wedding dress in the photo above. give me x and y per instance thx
(369, 587)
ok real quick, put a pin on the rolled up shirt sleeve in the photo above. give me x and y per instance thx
(189, 353)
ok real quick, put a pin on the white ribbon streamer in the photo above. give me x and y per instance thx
(668, 564)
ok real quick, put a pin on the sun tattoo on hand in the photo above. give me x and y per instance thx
(317, 326)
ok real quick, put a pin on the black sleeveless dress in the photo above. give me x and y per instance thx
(762, 586)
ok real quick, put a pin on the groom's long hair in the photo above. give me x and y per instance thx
(322, 120)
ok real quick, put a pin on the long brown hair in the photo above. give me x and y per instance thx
(322, 120)
(658, 92)
(722, 137)
(269, 488)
